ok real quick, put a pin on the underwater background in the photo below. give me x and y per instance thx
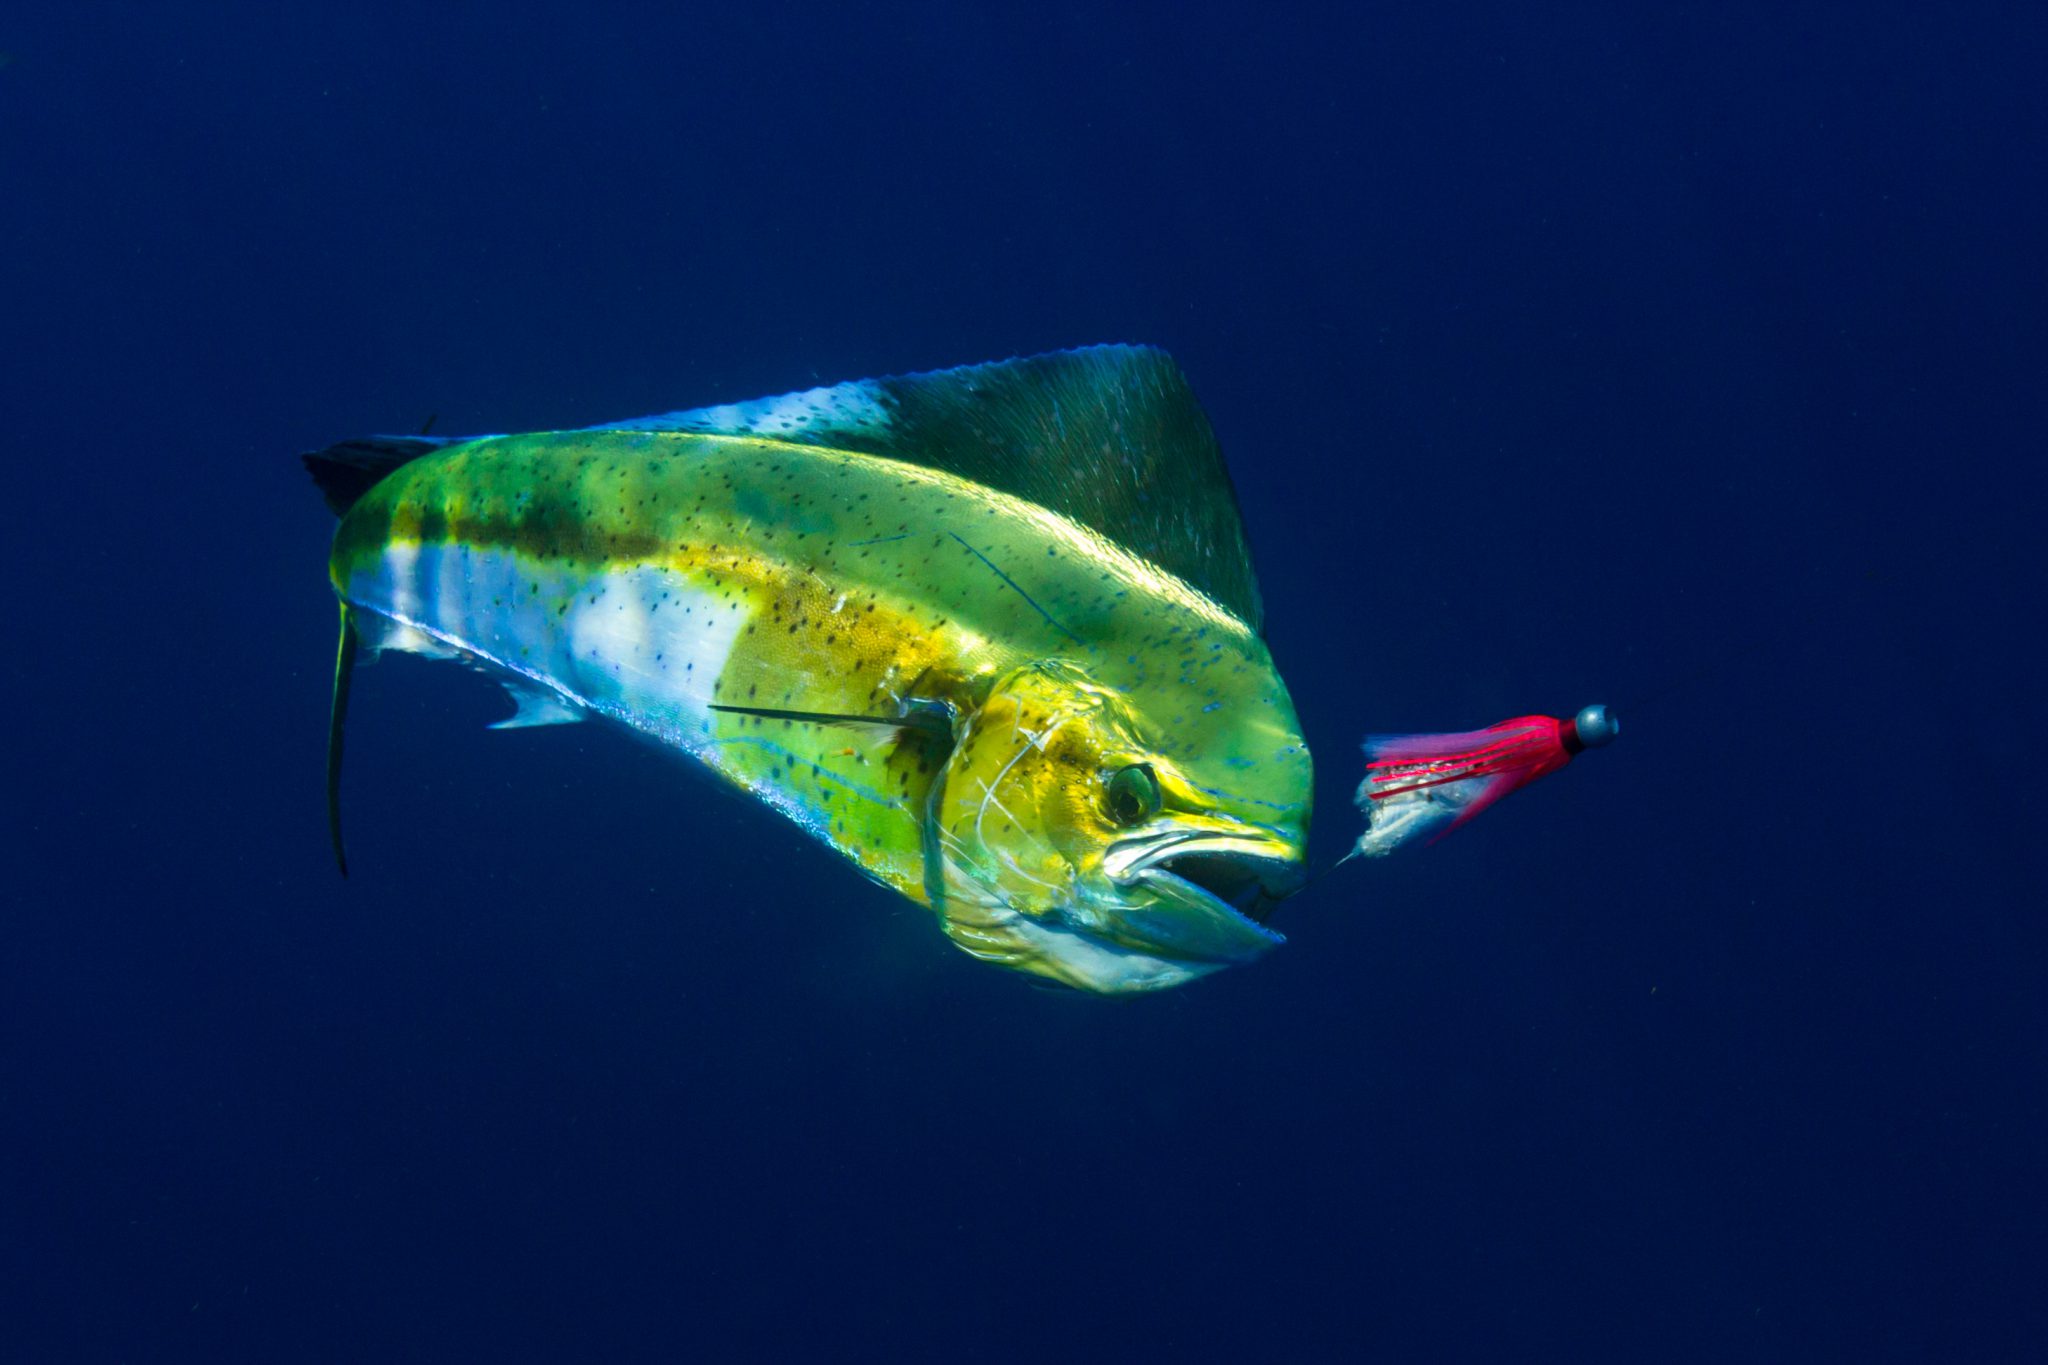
(1686, 358)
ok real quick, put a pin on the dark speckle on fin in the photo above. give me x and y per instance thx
(344, 671)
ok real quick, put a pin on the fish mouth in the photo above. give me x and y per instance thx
(1214, 890)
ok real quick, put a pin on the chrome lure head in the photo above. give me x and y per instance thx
(1594, 726)
(1079, 838)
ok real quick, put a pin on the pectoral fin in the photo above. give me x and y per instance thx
(931, 719)
(928, 719)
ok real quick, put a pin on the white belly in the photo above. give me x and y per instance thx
(642, 644)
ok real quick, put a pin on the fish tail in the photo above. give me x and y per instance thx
(344, 671)
(346, 471)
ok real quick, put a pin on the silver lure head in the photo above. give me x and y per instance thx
(1596, 725)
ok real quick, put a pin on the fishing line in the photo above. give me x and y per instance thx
(1315, 877)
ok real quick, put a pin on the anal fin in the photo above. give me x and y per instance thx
(537, 706)
(377, 633)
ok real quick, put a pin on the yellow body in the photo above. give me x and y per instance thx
(942, 680)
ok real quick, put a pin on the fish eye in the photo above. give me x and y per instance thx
(1133, 794)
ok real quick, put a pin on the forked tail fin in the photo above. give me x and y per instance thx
(346, 471)
(344, 671)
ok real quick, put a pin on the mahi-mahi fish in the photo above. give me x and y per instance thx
(991, 633)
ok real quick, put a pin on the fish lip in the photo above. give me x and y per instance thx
(1269, 870)
(1125, 859)
(1217, 905)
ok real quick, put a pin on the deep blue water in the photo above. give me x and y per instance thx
(1658, 354)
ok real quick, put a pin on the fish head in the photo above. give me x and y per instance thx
(1080, 835)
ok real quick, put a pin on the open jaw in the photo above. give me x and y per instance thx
(1212, 890)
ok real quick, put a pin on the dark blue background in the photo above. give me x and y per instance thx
(1560, 355)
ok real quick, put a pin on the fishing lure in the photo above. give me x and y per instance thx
(990, 633)
(1421, 787)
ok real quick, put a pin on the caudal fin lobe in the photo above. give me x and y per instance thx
(346, 471)
(344, 671)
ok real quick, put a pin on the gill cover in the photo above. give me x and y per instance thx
(1053, 824)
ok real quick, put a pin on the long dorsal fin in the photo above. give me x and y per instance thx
(1108, 435)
